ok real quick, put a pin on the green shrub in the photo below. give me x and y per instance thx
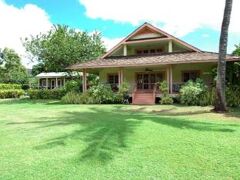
(207, 97)
(73, 85)
(72, 98)
(11, 93)
(192, 92)
(25, 86)
(122, 93)
(10, 86)
(102, 94)
(97, 94)
(165, 99)
(46, 93)
(233, 96)
(77, 98)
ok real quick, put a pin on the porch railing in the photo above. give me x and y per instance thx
(154, 87)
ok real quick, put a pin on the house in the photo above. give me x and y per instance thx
(53, 80)
(147, 56)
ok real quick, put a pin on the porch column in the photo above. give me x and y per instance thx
(46, 83)
(170, 46)
(119, 77)
(122, 75)
(124, 50)
(84, 86)
(170, 79)
(56, 84)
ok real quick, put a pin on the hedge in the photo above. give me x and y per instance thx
(10, 86)
(46, 93)
(11, 93)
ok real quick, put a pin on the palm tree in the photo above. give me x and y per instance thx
(220, 101)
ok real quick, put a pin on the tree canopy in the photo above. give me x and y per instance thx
(233, 69)
(61, 47)
(11, 69)
(237, 50)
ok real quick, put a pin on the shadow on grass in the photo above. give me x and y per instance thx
(15, 101)
(167, 112)
(233, 112)
(105, 133)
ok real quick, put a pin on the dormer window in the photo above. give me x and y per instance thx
(138, 52)
(145, 52)
(148, 51)
(159, 51)
(152, 51)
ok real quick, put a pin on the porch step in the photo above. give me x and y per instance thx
(143, 98)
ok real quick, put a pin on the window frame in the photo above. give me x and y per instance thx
(148, 51)
(198, 73)
(115, 84)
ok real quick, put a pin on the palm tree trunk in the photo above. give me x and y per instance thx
(220, 101)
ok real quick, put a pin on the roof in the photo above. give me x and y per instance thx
(151, 60)
(156, 30)
(56, 74)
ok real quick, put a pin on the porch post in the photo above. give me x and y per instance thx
(170, 79)
(170, 46)
(122, 75)
(46, 83)
(84, 86)
(119, 77)
(56, 83)
(124, 50)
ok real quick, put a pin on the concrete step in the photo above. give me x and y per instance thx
(143, 98)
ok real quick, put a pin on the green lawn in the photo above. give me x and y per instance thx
(49, 140)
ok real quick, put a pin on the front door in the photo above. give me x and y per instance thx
(146, 81)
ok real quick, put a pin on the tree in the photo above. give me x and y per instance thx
(236, 52)
(61, 47)
(220, 101)
(11, 69)
(38, 68)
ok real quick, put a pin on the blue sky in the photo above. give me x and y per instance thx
(72, 13)
(115, 21)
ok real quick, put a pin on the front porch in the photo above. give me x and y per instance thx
(144, 81)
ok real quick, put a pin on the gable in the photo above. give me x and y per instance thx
(146, 33)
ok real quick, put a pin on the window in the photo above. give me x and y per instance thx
(113, 81)
(53, 84)
(152, 51)
(43, 83)
(159, 51)
(145, 51)
(190, 75)
(59, 83)
(138, 52)
(148, 51)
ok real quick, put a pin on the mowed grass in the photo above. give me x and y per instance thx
(49, 140)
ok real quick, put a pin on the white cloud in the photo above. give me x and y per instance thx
(177, 17)
(19, 23)
(110, 43)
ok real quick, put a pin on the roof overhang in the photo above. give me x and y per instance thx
(178, 58)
